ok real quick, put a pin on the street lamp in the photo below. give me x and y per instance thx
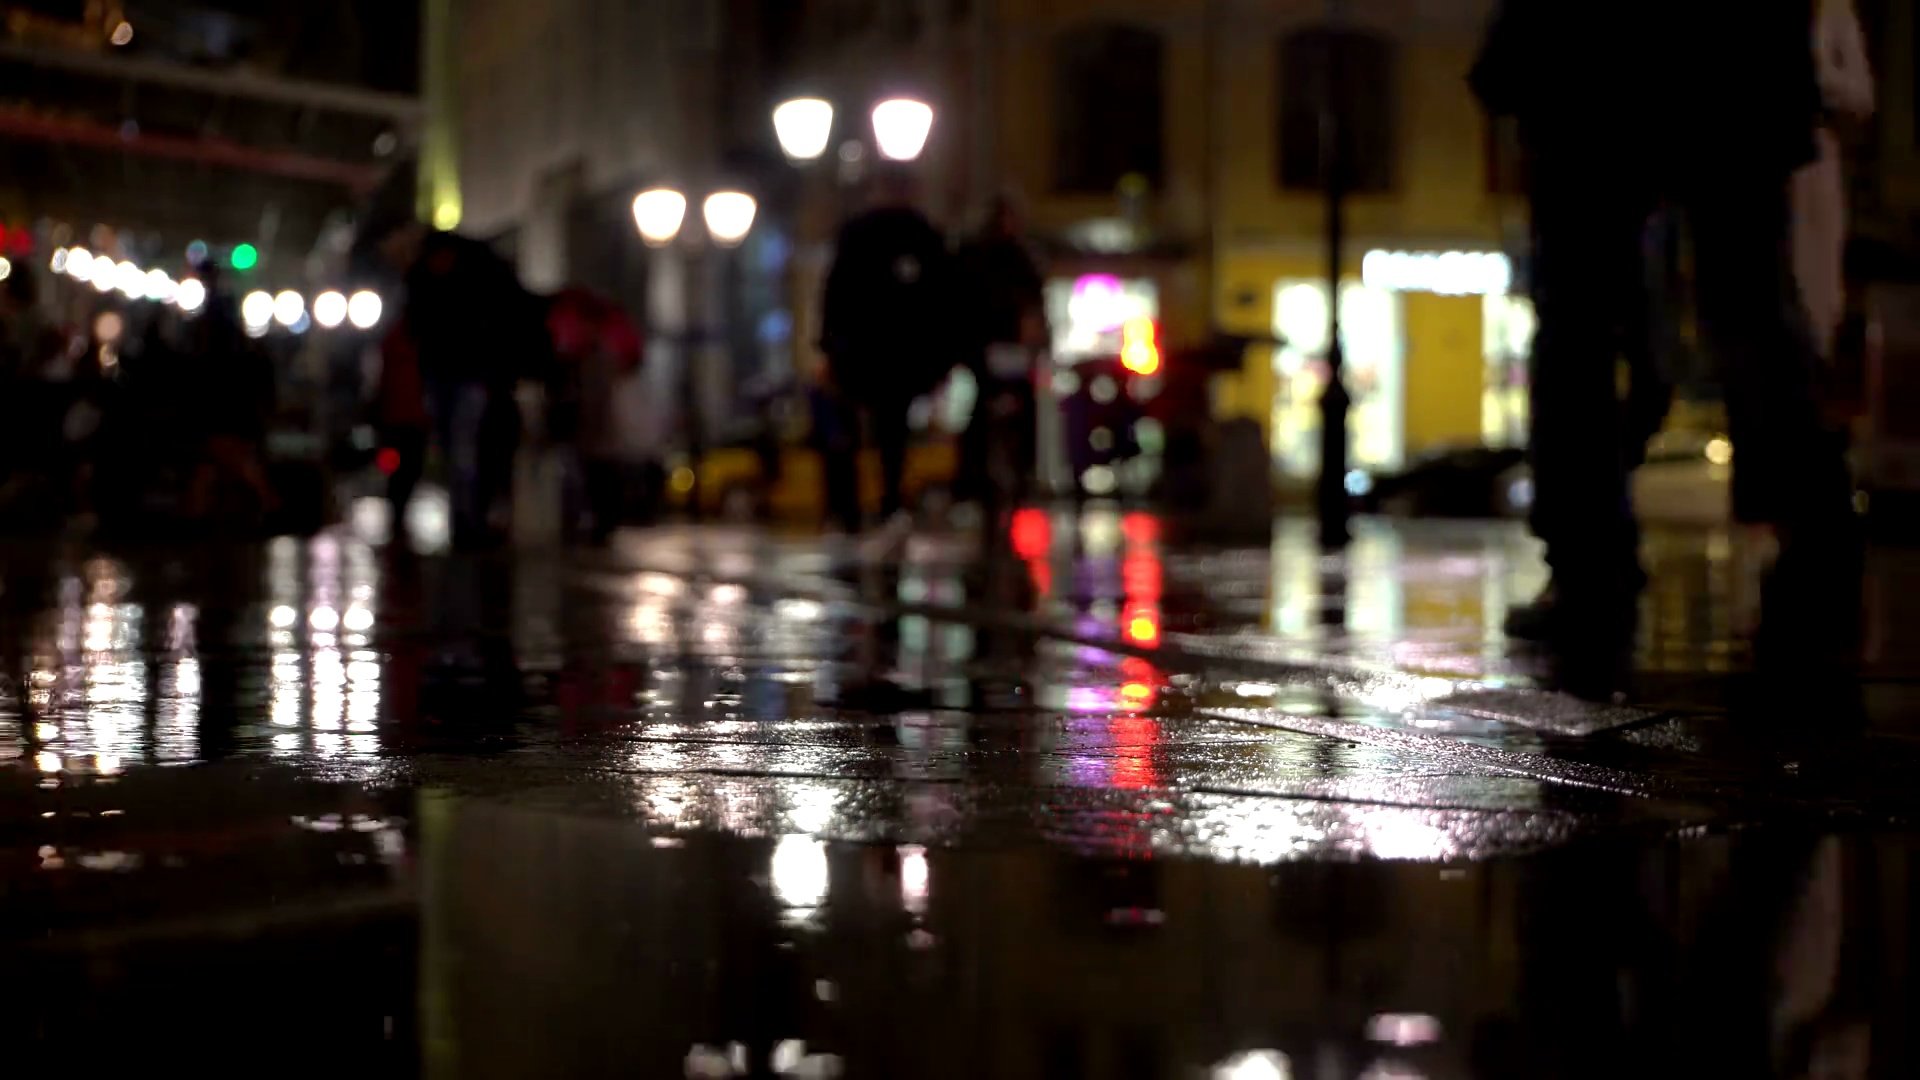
(288, 306)
(256, 310)
(803, 127)
(190, 296)
(729, 214)
(901, 127)
(658, 213)
(330, 309)
(363, 309)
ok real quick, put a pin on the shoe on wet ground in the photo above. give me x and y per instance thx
(1609, 610)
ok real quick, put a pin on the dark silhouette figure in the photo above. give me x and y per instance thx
(476, 332)
(886, 330)
(1003, 321)
(1621, 113)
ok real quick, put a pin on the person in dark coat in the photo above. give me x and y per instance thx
(476, 332)
(1004, 323)
(887, 330)
(1711, 111)
(233, 392)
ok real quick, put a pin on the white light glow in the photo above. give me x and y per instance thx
(159, 286)
(1449, 273)
(330, 309)
(256, 309)
(1255, 1065)
(658, 214)
(102, 274)
(363, 309)
(130, 280)
(191, 295)
(729, 215)
(803, 126)
(901, 127)
(57, 262)
(914, 878)
(79, 264)
(799, 872)
(1404, 1029)
(6, 268)
(288, 306)
(108, 327)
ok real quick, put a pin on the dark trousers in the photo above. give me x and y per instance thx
(885, 424)
(409, 445)
(1003, 420)
(1589, 268)
(458, 408)
(592, 495)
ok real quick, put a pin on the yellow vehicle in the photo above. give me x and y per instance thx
(731, 484)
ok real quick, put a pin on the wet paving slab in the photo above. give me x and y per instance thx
(721, 802)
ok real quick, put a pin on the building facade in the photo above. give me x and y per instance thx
(1170, 157)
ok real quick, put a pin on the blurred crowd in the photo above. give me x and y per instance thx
(129, 415)
(144, 417)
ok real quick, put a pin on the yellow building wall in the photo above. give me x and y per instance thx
(1227, 109)
(1445, 370)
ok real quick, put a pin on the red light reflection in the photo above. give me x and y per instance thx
(1140, 528)
(1032, 534)
(1142, 625)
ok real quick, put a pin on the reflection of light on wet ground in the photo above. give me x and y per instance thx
(1278, 830)
(915, 881)
(1254, 1065)
(1404, 1029)
(799, 875)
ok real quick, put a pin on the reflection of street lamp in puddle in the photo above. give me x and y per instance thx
(915, 880)
(1254, 1065)
(799, 874)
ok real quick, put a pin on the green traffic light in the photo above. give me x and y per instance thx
(245, 257)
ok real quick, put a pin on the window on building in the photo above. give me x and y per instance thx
(1108, 103)
(1349, 74)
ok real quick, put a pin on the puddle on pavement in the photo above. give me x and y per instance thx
(695, 928)
(545, 817)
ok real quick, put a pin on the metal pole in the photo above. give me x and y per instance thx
(697, 356)
(1331, 499)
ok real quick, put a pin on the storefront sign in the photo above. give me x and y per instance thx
(1450, 273)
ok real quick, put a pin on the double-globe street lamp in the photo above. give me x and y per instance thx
(804, 127)
(659, 214)
(901, 126)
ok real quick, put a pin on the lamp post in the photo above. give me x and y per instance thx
(1331, 493)
(659, 214)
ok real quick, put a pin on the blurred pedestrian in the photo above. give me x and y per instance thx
(888, 330)
(29, 347)
(476, 332)
(1819, 188)
(1003, 323)
(1620, 113)
(405, 427)
(595, 346)
(233, 399)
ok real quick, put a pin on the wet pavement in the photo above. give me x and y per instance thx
(1081, 800)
